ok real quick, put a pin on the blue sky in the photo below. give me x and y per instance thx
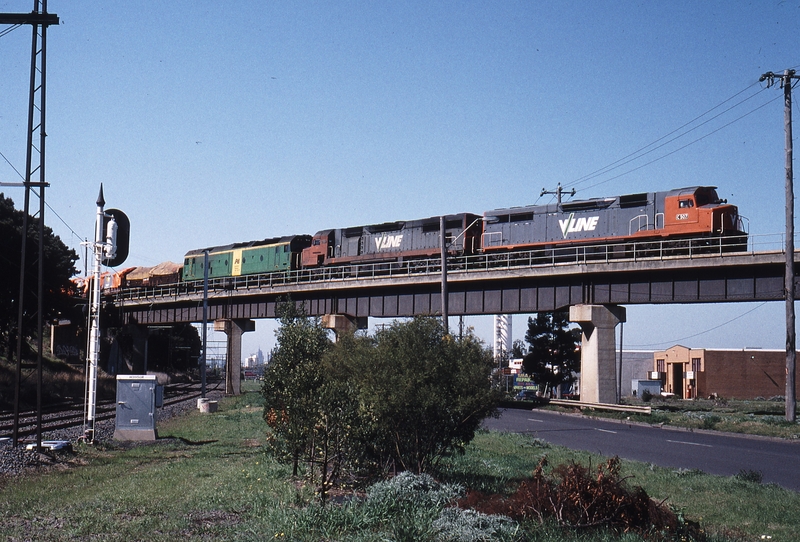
(213, 122)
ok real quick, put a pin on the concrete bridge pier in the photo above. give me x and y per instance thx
(598, 350)
(233, 366)
(343, 323)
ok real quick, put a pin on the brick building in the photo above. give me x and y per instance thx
(740, 374)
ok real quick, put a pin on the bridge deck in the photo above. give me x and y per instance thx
(512, 283)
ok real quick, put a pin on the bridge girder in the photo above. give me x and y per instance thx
(729, 278)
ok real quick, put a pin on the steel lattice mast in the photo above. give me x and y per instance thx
(39, 19)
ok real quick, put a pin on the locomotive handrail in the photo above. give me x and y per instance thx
(488, 241)
(638, 220)
(570, 255)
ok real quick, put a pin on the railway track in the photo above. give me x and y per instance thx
(68, 415)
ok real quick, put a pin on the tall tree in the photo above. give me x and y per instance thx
(58, 265)
(553, 352)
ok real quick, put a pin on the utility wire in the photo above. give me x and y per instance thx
(678, 341)
(643, 151)
(9, 30)
(686, 145)
(639, 153)
(21, 176)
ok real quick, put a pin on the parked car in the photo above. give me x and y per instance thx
(526, 395)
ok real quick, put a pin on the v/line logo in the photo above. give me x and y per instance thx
(570, 225)
(388, 241)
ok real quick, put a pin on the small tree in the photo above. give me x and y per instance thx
(518, 349)
(292, 383)
(342, 434)
(553, 353)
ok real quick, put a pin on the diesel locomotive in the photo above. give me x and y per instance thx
(693, 216)
(686, 213)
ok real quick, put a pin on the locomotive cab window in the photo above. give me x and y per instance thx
(685, 203)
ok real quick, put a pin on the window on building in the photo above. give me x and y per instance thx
(660, 367)
(696, 365)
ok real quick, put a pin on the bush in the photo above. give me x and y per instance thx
(423, 394)
(575, 498)
(752, 476)
(365, 406)
(710, 421)
(646, 396)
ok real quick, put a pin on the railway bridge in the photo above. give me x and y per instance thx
(594, 283)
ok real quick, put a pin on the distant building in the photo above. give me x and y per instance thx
(636, 365)
(249, 362)
(741, 374)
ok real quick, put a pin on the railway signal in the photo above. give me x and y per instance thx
(110, 247)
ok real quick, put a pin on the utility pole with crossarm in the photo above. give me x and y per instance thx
(788, 284)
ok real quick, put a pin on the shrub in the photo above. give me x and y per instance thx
(746, 475)
(646, 396)
(423, 393)
(710, 421)
(575, 497)
(401, 400)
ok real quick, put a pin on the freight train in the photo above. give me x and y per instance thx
(688, 217)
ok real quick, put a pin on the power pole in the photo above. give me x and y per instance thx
(443, 241)
(788, 283)
(558, 192)
(39, 20)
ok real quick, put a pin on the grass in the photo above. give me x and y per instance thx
(208, 478)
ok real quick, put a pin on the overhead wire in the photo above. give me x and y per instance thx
(666, 139)
(9, 29)
(639, 152)
(3, 33)
(678, 341)
(50, 207)
(670, 153)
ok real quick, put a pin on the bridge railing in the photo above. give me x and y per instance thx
(489, 261)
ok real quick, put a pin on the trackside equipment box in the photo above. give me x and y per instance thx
(653, 386)
(136, 407)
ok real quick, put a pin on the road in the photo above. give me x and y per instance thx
(715, 453)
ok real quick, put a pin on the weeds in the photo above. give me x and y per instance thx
(575, 498)
(752, 476)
